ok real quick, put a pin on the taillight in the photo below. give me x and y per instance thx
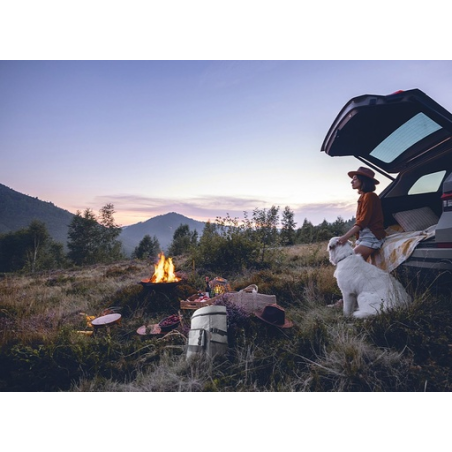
(444, 245)
(447, 202)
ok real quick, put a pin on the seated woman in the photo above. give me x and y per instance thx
(369, 226)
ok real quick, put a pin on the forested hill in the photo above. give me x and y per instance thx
(17, 211)
(161, 226)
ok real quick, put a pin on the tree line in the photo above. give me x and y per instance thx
(225, 243)
(251, 242)
(91, 239)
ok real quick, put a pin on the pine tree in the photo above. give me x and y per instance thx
(147, 248)
(183, 240)
(306, 233)
(288, 227)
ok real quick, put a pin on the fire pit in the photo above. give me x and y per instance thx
(164, 276)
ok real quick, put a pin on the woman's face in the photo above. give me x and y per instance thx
(356, 183)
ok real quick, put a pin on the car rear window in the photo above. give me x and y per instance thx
(409, 133)
(430, 183)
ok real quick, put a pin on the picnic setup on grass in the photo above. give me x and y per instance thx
(206, 311)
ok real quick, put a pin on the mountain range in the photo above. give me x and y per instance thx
(17, 211)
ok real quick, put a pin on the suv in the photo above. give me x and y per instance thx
(407, 137)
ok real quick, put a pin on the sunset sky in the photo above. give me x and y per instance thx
(200, 138)
(206, 108)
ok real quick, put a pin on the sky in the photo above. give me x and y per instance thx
(203, 138)
(204, 108)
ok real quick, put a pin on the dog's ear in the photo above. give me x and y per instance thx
(332, 245)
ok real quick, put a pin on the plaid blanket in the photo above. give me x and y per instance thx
(398, 247)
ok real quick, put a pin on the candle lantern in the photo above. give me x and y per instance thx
(219, 286)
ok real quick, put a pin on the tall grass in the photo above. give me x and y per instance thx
(42, 349)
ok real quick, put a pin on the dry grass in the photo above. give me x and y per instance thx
(40, 349)
(37, 306)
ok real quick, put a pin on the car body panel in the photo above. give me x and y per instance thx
(365, 122)
(431, 258)
(406, 136)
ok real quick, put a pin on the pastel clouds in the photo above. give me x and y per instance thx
(132, 209)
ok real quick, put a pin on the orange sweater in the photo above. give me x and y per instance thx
(370, 214)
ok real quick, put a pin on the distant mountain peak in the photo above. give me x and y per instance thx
(161, 226)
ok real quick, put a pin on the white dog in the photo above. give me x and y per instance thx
(366, 289)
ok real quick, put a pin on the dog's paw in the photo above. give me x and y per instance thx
(363, 314)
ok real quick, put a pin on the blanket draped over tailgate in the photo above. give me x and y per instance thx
(398, 247)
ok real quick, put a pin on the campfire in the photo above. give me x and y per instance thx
(163, 272)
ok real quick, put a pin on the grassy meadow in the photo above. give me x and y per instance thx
(46, 342)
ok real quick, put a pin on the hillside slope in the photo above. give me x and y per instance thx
(17, 211)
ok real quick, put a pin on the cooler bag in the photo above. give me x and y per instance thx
(208, 331)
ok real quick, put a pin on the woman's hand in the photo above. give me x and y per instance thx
(346, 236)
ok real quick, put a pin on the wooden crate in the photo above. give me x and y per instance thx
(196, 304)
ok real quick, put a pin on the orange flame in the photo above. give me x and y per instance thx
(164, 271)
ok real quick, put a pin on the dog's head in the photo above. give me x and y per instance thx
(338, 251)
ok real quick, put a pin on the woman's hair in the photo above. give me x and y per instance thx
(367, 184)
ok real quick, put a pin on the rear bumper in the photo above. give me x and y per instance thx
(431, 258)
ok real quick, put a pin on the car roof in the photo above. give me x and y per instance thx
(391, 132)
